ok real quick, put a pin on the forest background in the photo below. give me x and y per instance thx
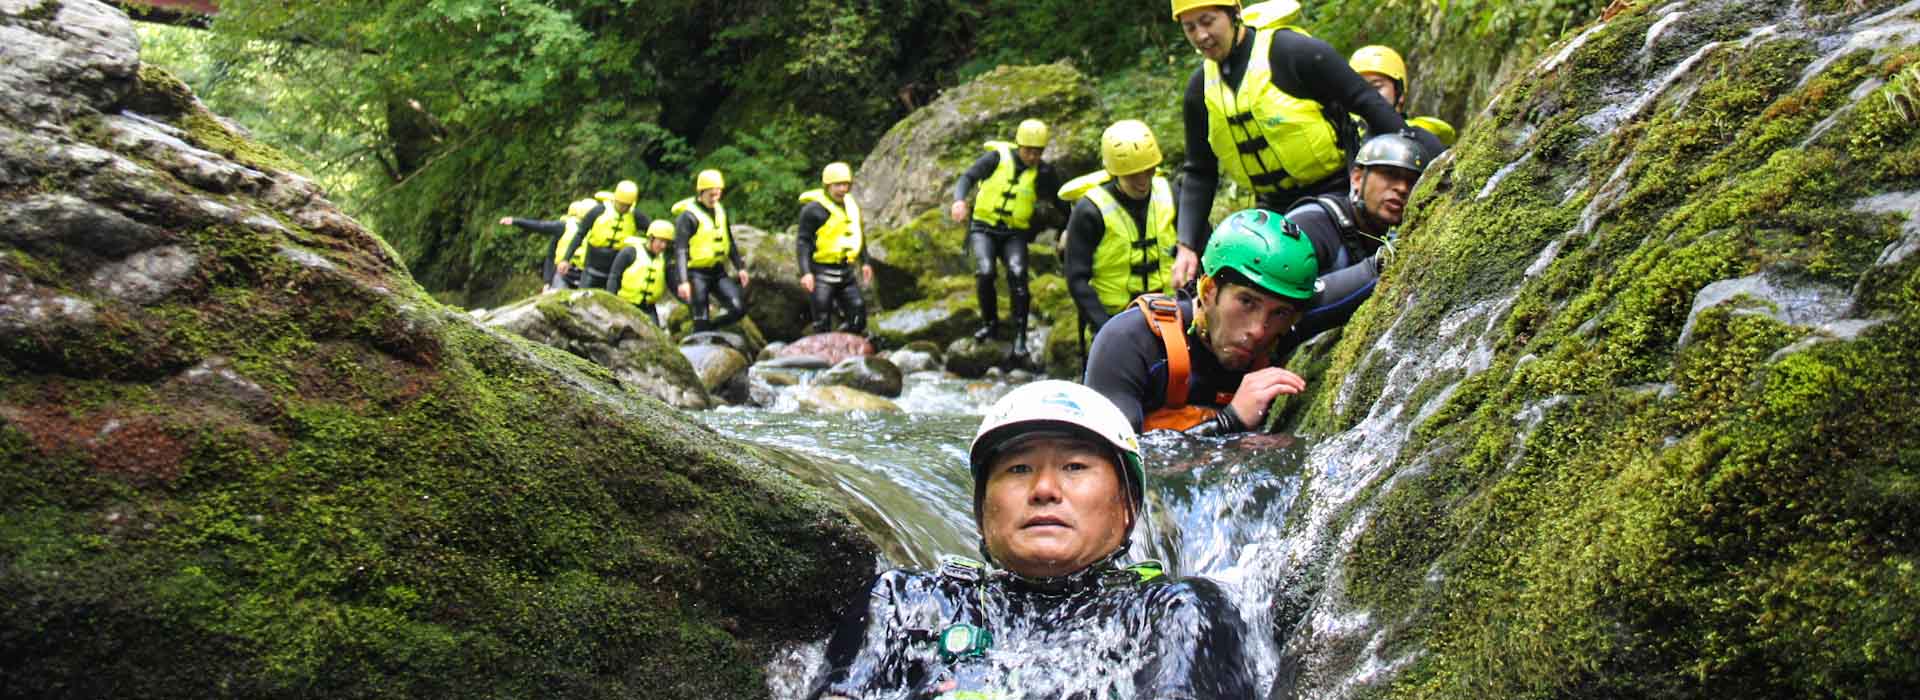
(430, 120)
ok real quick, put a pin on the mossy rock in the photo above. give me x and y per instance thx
(612, 333)
(290, 473)
(775, 301)
(908, 258)
(940, 320)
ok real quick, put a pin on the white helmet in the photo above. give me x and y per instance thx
(1057, 405)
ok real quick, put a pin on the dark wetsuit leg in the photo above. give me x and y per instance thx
(821, 300)
(1013, 249)
(853, 307)
(599, 263)
(701, 280)
(727, 290)
(985, 252)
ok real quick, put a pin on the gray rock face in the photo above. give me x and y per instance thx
(66, 58)
(720, 368)
(972, 358)
(870, 374)
(941, 321)
(145, 277)
(775, 301)
(52, 224)
(610, 332)
(910, 360)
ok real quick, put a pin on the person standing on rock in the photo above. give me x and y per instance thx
(1120, 236)
(1013, 181)
(639, 272)
(1352, 235)
(703, 247)
(560, 233)
(1202, 366)
(1054, 611)
(609, 223)
(1268, 108)
(1384, 69)
(831, 248)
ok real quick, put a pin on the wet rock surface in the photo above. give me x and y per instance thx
(611, 333)
(873, 375)
(824, 398)
(721, 370)
(830, 348)
(971, 358)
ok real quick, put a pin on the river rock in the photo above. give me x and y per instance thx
(874, 375)
(610, 332)
(765, 383)
(941, 321)
(772, 350)
(796, 362)
(246, 455)
(775, 301)
(972, 359)
(833, 347)
(827, 398)
(721, 370)
(918, 357)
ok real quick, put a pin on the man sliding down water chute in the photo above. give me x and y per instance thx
(640, 270)
(1268, 108)
(1053, 612)
(1352, 234)
(1013, 180)
(703, 247)
(560, 234)
(832, 248)
(1120, 236)
(607, 224)
(1386, 71)
(1202, 366)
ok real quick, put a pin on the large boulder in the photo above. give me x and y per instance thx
(874, 375)
(246, 456)
(613, 334)
(722, 370)
(775, 301)
(941, 321)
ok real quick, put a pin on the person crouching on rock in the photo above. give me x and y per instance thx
(1201, 367)
(1058, 485)
(703, 246)
(640, 270)
(830, 248)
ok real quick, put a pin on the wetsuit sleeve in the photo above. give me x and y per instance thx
(980, 169)
(1202, 169)
(1196, 650)
(620, 264)
(585, 223)
(811, 217)
(866, 655)
(683, 229)
(1303, 65)
(543, 226)
(1085, 228)
(1048, 183)
(1119, 364)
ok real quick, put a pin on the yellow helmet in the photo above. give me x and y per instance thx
(1032, 134)
(708, 179)
(1382, 60)
(661, 229)
(836, 173)
(1180, 6)
(626, 192)
(1128, 147)
(580, 208)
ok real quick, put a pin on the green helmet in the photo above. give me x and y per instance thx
(1265, 248)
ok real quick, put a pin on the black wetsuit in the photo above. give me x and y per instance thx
(600, 260)
(831, 281)
(1086, 226)
(625, 259)
(1128, 365)
(989, 243)
(554, 230)
(1348, 266)
(706, 281)
(1302, 66)
(1101, 633)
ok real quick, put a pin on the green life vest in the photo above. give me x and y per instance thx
(1265, 139)
(566, 239)
(1004, 200)
(645, 281)
(1130, 262)
(837, 242)
(612, 226)
(712, 242)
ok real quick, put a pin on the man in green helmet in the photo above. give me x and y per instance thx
(1202, 367)
(1058, 486)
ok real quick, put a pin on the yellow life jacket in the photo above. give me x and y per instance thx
(713, 240)
(1004, 200)
(645, 281)
(566, 239)
(1265, 139)
(612, 227)
(1120, 262)
(837, 242)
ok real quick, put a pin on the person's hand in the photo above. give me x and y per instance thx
(563, 268)
(806, 282)
(1186, 265)
(506, 221)
(1258, 390)
(685, 291)
(959, 211)
(743, 279)
(866, 273)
